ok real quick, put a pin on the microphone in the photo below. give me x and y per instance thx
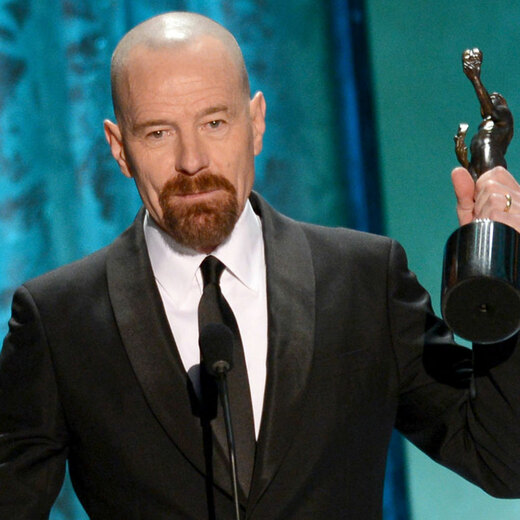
(216, 346)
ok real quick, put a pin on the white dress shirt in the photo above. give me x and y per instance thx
(243, 284)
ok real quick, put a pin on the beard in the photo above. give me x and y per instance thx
(199, 225)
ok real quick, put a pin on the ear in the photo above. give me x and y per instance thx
(115, 141)
(257, 109)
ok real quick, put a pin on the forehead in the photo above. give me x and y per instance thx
(181, 76)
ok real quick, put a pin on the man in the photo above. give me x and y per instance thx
(100, 366)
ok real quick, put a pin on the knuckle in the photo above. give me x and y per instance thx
(496, 198)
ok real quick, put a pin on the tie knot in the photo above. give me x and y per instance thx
(211, 269)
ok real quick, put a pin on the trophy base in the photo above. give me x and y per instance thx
(481, 288)
(483, 310)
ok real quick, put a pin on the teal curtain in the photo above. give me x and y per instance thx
(61, 194)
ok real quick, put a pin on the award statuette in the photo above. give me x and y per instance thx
(480, 287)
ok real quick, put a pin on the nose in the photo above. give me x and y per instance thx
(191, 155)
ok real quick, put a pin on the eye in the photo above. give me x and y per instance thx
(216, 123)
(159, 135)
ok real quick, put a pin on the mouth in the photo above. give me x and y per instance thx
(200, 190)
(197, 194)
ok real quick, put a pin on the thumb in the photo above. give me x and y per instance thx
(464, 191)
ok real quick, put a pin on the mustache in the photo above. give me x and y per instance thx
(187, 185)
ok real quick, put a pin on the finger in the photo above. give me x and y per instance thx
(495, 204)
(491, 190)
(498, 198)
(465, 192)
(498, 208)
(498, 175)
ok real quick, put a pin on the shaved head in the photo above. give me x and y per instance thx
(171, 30)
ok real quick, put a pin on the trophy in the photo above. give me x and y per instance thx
(480, 298)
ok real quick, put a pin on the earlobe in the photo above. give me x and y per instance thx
(257, 108)
(115, 141)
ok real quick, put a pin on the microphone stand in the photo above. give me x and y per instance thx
(216, 344)
(220, 374)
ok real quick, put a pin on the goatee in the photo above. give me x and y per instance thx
(199, 225)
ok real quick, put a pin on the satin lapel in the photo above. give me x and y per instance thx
(150, 346)
(291, 315)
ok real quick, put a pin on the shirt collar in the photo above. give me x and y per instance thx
(175, 266)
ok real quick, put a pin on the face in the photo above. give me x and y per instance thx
(188, 134)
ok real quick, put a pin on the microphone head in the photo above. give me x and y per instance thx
(216, 346)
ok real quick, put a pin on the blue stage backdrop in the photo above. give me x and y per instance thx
(61, 193)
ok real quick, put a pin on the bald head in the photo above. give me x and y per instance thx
(171, 30)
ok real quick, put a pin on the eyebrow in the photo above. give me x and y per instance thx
(213, 110)
(147, 124)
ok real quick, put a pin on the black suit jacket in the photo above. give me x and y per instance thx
(89, 372)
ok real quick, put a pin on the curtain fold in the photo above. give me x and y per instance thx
(360, 169)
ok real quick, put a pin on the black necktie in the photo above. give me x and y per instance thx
(213, 308)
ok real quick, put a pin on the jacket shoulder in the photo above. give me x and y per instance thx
(78, 276)
(87, 272)
(348, 246)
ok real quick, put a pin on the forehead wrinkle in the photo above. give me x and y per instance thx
(178, 73)
(188, 96)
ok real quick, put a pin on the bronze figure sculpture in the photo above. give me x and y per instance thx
(488, 146)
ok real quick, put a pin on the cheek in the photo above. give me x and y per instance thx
(149, 187)
(245, 180)
(150, 171)
(149, 195)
